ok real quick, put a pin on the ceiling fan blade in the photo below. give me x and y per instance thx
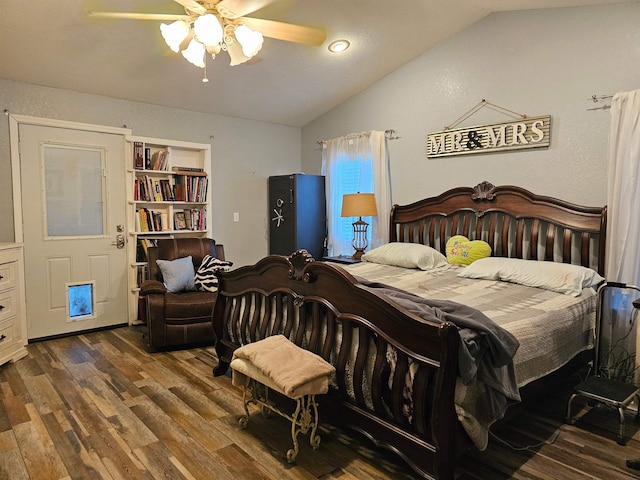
(240, 8)
(287, 31)
(192, 6)
(139, 16)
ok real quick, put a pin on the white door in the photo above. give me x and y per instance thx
(73, 211)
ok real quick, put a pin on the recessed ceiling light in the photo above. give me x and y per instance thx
(339, 46)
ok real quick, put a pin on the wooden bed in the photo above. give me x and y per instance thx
(323, 308)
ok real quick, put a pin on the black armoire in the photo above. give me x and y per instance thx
(297, 213)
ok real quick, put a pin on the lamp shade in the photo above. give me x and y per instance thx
(250, 40)
(174, 34)
(359, 205)
(195, 53)
(208, 30)
(236, 55)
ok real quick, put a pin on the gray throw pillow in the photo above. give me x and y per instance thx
(178, 274)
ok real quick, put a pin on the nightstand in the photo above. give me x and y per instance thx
(342, 259)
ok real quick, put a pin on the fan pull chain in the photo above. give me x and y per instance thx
(205, 79)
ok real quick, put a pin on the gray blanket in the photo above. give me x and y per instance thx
(551, 327)
(485, 356)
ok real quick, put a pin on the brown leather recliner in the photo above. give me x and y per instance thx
(183, 318)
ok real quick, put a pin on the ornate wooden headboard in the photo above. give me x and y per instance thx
(515, 222)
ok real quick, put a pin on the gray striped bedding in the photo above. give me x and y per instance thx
(551, 327)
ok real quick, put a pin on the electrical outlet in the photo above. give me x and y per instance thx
(236, 216)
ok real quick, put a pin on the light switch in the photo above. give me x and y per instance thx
(236, 216)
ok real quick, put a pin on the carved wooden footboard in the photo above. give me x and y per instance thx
(323, 309)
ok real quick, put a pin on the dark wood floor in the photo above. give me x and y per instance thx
(99, 406)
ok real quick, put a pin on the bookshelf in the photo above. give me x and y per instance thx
(168, 195)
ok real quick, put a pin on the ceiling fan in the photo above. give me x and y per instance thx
(210, 26)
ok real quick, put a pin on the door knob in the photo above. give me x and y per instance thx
(119, 243)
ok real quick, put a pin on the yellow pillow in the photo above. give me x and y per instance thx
(462, 251)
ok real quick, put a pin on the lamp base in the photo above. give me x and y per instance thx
(357, 255)
(359, 242)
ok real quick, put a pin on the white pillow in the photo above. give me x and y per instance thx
(407, 255)
(558, 277)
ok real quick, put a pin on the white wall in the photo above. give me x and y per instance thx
(534, 62)
(244, 154)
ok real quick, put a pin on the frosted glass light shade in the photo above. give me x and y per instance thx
(208, 30)
(174, 34)
(250, 40)
(194, 53)
(235, 54)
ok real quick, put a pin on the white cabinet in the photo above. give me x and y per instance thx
(169, 195)
(13, 323)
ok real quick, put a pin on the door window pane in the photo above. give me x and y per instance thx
(74, 191)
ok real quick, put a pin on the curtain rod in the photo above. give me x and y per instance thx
(390, 134)
(595, 98)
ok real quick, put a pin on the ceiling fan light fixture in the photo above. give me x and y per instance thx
(250, 40)
(211, 26)
(174, 34)
(208, 30)
(214, 50)
(339, 46)
(194, 53)
(237, 56)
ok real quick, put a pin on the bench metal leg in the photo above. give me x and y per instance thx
(304, 418)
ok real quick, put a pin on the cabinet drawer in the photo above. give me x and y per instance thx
(7, 337)
(8, 304)
(8, 274)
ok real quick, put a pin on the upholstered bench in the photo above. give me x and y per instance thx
(278, 364)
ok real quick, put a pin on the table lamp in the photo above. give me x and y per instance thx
(359, 205)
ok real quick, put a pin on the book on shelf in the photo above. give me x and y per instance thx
(187, 188)
(138, 155)
(196, 218)
(166, 191)
(143, 250)
(150, 220)
(147, 157)
(179, 221)
(146, 189)
(142, 274)
(159, 160)
(187, 169)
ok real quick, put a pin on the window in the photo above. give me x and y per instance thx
(352, 176)
(349, 164)
(74, 191)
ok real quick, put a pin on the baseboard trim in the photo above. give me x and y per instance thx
(79, 332)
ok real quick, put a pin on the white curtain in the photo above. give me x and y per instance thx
(350, 164)
(381, 188)
(623, 194)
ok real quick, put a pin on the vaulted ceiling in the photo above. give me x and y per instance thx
(57, 44)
